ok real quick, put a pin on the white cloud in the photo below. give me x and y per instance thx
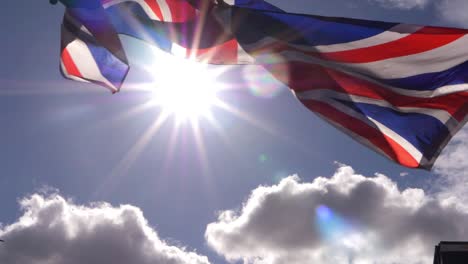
(402, 4)
(347, 218)
(453, 160)
(454, 11)
(53, 230)
(452, 166)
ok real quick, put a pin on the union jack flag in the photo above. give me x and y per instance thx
(399, 89)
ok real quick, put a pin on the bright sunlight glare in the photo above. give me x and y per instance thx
(182, 87)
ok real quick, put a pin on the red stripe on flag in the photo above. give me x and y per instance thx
(155, 8)
(181, 11)
(380, 141)
(303, 77)
(70, 65)
(425, 39)
(452, 103)
(224, 53)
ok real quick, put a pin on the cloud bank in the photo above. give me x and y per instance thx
(402, 4)
(452, 166)
(53, 230)
(453, 11)
(347, 218)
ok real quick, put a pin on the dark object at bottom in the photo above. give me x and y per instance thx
(451, 253)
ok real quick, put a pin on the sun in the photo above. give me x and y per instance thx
(183, 88)
(177, 88)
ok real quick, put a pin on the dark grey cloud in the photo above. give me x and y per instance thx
(347, 218)
(53, 230)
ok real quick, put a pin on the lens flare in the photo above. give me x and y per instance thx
(324, 213)
(261, 82)
(329, 224)
(262, 158)
(176, 86)
(337, 231)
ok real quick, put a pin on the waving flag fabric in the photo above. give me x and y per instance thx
(400, 89)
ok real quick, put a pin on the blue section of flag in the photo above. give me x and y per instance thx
(260, 29)
(305, 29)
(433, 80)
(87, 4)
(137, 24)
(257, 4)
(420, 130)
(130, 19)
(111, 67)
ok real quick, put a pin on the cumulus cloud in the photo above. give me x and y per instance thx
(53, 230)
(347, 218)
(452, 166)
(453, 160)
(402, 4)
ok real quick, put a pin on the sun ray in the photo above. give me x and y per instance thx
(133, 153)
(186, 92)
(125, 115)
(170, 152)
(42, 88)
(247, 117)
(200, 145)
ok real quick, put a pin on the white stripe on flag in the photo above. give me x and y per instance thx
(397, 32)
(165, 10)
(72, 77)
(354, 135)
(351, 70)
(415, 153)
(441, 115)
(243, 57)
(85, 62)
(435, 60)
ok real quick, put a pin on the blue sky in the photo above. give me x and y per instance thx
(65, 146)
